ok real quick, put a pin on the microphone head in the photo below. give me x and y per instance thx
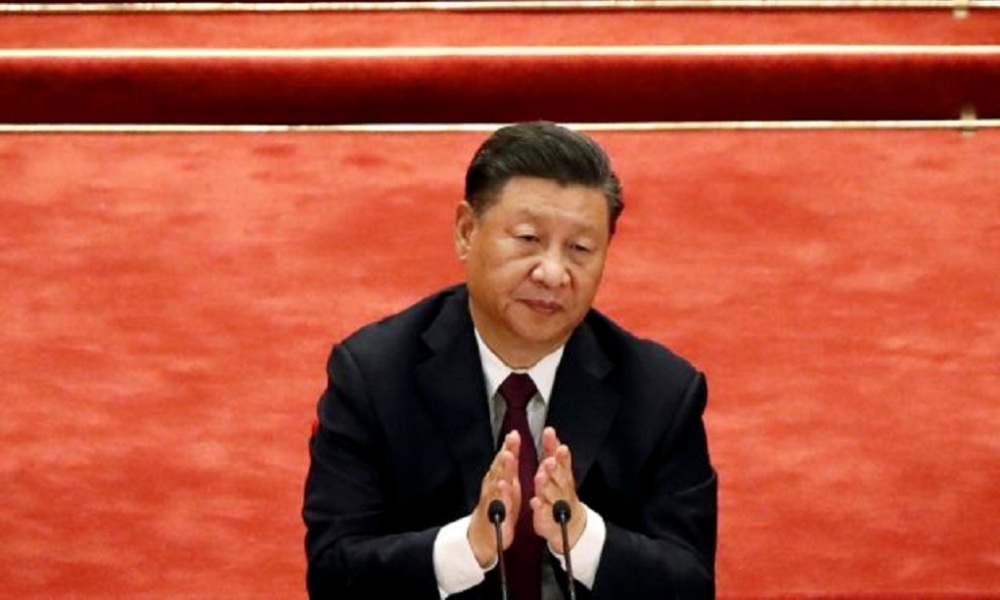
(496, 511)
(560, 511)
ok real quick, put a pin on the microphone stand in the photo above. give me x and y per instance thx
(561, 514)
(497, 513)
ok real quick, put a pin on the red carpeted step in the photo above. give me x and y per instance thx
(455, 85)
(444, 28)
(420, 66)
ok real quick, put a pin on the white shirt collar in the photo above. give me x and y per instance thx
(543, 373)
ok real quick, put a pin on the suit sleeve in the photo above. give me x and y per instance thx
(354, 546)
(668, 549)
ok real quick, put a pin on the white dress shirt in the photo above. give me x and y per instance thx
(455, 565)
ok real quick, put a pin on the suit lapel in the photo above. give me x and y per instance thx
(451, 381)
(583, 406)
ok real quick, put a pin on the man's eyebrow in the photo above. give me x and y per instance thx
(583, 226)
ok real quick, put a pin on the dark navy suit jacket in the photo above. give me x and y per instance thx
(404, 440)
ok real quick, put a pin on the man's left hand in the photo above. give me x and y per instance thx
(554, 481)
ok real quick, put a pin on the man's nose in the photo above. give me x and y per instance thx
(551, 271)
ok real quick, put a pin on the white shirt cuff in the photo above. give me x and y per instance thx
(587, 551)
(455, 566)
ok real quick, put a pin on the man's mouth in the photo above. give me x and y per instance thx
(543, 306)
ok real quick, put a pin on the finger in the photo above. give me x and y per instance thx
(564, 458)
(502, 469)
(512, 450)
(499, 465)
(547, 488)
(560, 468)
(542, 481)
(509, 495)
(512, 446)
(541, 514)
(505, 461)
(554, 480)
(512, 441)
(550, 441)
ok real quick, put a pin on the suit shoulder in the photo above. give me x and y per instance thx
(399, 332)
(632, 352)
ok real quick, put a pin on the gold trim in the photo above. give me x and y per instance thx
(497, 5)
(965, 124)
(495, 51)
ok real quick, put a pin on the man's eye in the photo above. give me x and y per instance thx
(527, 237)
(581, 248)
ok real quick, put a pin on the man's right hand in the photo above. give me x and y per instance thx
(502, 482)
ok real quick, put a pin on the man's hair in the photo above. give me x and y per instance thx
(544, 150)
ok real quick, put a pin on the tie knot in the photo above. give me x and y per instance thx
(517, 390)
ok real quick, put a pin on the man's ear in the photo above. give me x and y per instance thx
(465, 228)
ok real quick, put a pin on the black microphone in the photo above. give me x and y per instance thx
(497, 513)
(561, 513)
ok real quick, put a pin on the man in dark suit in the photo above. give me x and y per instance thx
(420, 429)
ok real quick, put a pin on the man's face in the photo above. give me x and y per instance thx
(533, 260)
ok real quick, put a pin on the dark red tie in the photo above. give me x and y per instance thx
(524, 557)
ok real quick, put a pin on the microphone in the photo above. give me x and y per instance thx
(561, 514)
(497, 512)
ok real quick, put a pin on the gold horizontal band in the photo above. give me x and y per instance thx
(965, 124)
(749, 50)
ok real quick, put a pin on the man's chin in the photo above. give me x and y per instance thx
(538, 336)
